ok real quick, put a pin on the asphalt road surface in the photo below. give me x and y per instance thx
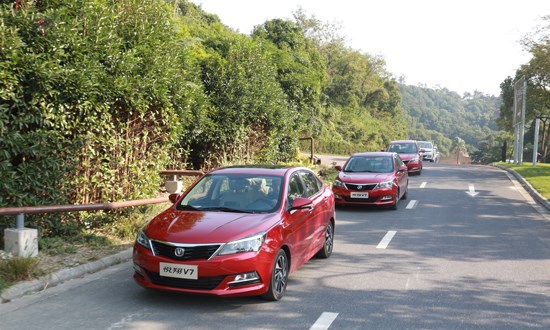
(468, 249)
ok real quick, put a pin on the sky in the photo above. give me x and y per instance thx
(461, 45)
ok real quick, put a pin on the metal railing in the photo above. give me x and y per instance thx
(20, 212)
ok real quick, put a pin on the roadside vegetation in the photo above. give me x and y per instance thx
(17, 269)
(538, 177)
(100, 96)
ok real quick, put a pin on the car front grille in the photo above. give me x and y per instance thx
(204, 283)
(191, 252)
(360, 187)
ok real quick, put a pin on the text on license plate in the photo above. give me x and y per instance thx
(359, 195)
(190, 272)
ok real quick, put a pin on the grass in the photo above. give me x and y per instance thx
(538, 177)
(18, 269)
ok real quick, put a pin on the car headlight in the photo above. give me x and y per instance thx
(249, 244)
(387, 184)
(338, 183)
(143, 240)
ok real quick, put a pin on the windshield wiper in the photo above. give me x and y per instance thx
(186, 207)
(225, 209)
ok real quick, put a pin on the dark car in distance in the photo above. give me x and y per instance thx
(372, 178)
(237, 231)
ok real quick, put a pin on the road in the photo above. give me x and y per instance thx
(468, 249)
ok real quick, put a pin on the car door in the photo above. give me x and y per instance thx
(402, 176)
(297, 221)
(316, 227)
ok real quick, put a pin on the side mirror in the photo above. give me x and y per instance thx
(338, 167)
(422, 150)
(173, 197)
(301, 203)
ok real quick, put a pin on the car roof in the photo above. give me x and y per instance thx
(374, 154)
(277, 170)
(403, 141)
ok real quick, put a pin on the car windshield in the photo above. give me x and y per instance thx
(425, 145)
(403, 148)
(243, 193)
(369, 164)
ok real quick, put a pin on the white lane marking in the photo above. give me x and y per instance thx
(423, 184)
(324, 321)
(411, 204)
(386, 240)
(471, 190)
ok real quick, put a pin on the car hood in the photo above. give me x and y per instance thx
(196, 227)
(349, 177)
(406, 157)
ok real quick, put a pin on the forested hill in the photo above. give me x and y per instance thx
(441, 115)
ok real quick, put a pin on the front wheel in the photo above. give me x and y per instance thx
(394, 205)
(279, 277)
(406, 194)
(326, 250)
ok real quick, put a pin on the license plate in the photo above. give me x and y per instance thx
(190, 272)
(359, 195)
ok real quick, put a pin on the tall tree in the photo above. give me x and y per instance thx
(458, 147)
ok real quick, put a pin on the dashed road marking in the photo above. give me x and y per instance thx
(412, 204)
(386, 240)
(324, 321)
(423, 184)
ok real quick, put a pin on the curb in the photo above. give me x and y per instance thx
(527, 186)
(44, 282)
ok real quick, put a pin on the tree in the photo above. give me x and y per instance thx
(300, 68)
(458, 147)
(537, 73)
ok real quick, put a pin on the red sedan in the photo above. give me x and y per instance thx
(410, 153)
(372, 178)
(237, 231)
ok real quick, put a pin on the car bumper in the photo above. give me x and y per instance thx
(216, 276)
(414, 167)
(376, 197)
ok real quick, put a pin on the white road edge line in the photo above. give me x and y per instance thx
(411, 204)
(423, 184)
(386, 240)
(324, 321)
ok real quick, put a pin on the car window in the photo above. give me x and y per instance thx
(427, 145)
(358, 164)
(383, 164)
(295, 188)
(403, 148)
(313, 185)
(240, 192)
(398, 161)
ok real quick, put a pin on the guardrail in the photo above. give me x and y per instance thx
(23, 241)
(21, 211)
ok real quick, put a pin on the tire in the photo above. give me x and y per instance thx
(279, 277)
(394, 205)
(406, 194)
(326, 250)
